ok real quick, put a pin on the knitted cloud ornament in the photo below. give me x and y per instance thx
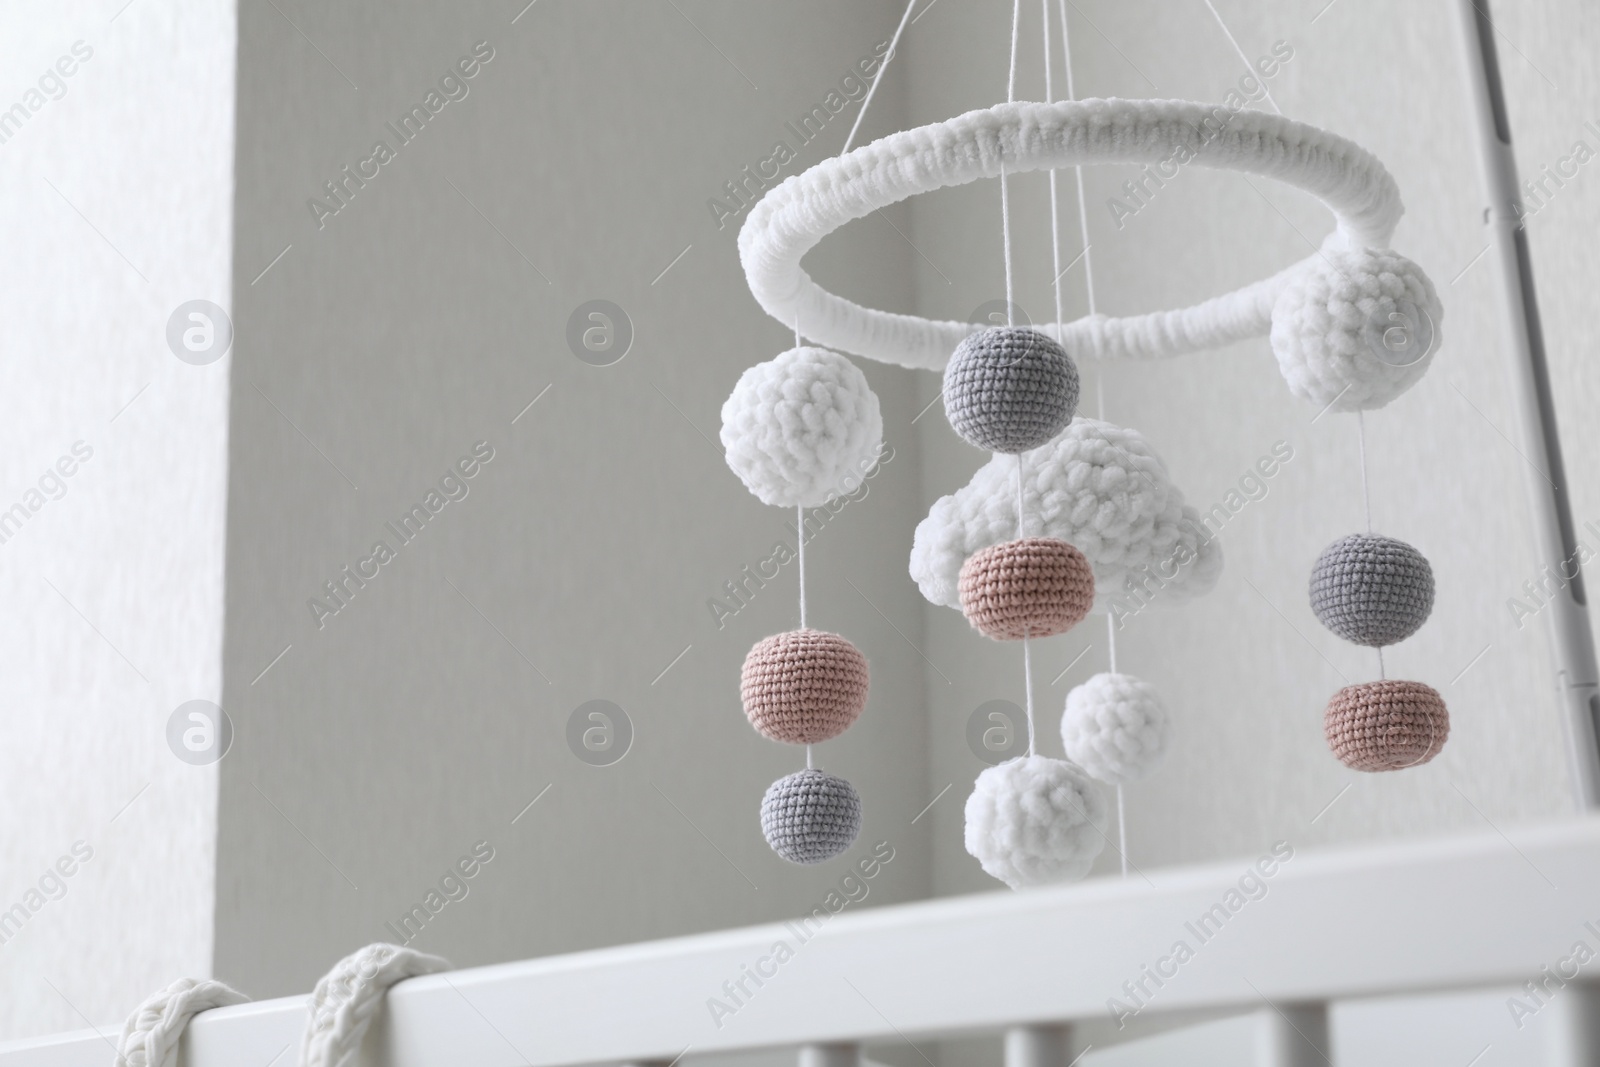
(1100, 488)
(1115, 727)
(1352, 330)
(1035, 820)
(809, 816)
(802, 428)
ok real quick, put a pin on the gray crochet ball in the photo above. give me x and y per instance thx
(1009, 389)
(808, 817)
(1372, 590)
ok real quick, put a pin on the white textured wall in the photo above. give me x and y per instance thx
(117, 192)
(424, 317)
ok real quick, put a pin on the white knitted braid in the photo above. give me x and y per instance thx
(796, 215)
(345, 999)
(151, 1034)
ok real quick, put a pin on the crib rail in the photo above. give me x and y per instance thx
(1285, 932)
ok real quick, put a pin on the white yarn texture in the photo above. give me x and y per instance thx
(151, 1034)
(797, 214)
(1329, 323)
(343, 1003)
(1115, 727)
(802, 428)
(1098, 486)
(1034, 821)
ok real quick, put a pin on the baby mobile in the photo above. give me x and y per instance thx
(1071, 511)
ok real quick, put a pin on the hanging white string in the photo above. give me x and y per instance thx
(1366, 496)
(1083, 203)
(1366, 503)
(800, 565)
(1243, 58)
(1005, 199)
(1055, 213)
(1005, 237)
(1022, 528)
(1083, 226)
(1027, 687)
(894, 42)
(1088, 282)
(1016, 29)
(800, 554)
(1005, 232)
(1083, 200)
(800, 538)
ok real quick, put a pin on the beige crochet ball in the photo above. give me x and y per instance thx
(803, 686)
(1031, 587)
(1386, 725)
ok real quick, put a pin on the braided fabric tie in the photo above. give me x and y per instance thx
(151, 1034)
(346, 998)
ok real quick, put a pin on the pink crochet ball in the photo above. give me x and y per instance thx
(1386, 725)
(803, 686)
(1032, 587)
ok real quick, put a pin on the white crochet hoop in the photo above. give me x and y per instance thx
(797, 214)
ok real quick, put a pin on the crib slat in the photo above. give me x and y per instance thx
(837, 1054)
(1572, 1032)
(1294, 1035)
(1039, 1046)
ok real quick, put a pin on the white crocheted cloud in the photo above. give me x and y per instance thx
(1098, 486)
(1115, 727)
(802, 428)
(1034, 821)
(1355, 329)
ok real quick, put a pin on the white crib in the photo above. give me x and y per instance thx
(1056, 970)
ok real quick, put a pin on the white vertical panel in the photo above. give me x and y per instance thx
(118, 192)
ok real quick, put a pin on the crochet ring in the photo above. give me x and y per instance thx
(798, 213)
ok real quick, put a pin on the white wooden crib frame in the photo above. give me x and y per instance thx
(1482, 912)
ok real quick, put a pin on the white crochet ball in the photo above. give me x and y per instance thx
(1115, 727)
(1355, 329)
(1034, 821)
(802, 428)
(1100, 488)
